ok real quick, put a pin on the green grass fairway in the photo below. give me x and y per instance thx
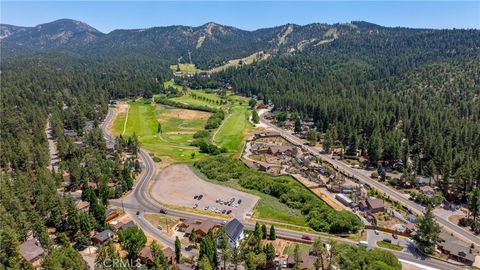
(211, 100)
(177, 132)
(171, 83)
(186, 68)
(233, 131)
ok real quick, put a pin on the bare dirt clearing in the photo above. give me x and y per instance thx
(177, 185)
(186, 114)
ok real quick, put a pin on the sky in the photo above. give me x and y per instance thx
(248, 15)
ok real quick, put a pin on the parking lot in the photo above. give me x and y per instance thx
(178, 185)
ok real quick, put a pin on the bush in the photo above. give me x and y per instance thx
(157, 159)
(201, 134)
(318, 214)
(215, 120)
(374, 175)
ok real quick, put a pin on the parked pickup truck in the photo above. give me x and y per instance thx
(362, 243)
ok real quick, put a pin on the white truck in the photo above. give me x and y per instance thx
(362, 243)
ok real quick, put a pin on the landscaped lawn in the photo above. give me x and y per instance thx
(290, 249)
(389, 245)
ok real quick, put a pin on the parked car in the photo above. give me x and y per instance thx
(206, 207)
(138, 213)
(395, 236)
(229, 211)
(376, 232)
(163, 211)
(239, 201)
(195, 206)
(224, 211)
(159, 227)
(200, 197)
(195, 197)
(284, 265)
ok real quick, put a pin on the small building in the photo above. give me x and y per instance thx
(234, 230)
(372, 205)
(306, 261)
(200, 227)
(102, 237)
(344, 199)
(146, 256)
(32, 251)
(282, 150)
(169, 254)
(82, 206)
(427, 190)
(127, 225)
(110, 214)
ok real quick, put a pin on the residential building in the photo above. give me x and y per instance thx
(234, 230)
(102, 237)
(32, 251)
(372, 205)
(306, 261)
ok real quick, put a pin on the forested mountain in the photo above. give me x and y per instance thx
(394, 94)
(207, 46)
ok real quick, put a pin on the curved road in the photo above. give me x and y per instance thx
(139, 200)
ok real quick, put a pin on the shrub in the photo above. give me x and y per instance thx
(318, 214)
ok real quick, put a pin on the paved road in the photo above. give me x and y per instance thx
(139, 200)
(363, 177)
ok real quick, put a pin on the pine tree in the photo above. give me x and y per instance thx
(178, 250)
(264, 231)
(273, 234)
(428, 231)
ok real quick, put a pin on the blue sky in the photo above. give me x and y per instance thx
(249, 15)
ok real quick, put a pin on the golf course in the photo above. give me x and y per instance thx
(167, 132)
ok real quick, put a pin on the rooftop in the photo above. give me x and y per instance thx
(31, 249)
(234, 228)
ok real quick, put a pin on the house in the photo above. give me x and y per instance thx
(282, 150)
(456, 249)
(127, 225)
(110, 214)
(32, 251)
(146, 256)
(372, 205)
(200, 227)
(427, 190)
(102, 237)
(306, 261)
(234, 230)
(169, 253)
(82, 206)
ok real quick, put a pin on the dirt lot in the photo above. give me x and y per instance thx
(177, 185)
